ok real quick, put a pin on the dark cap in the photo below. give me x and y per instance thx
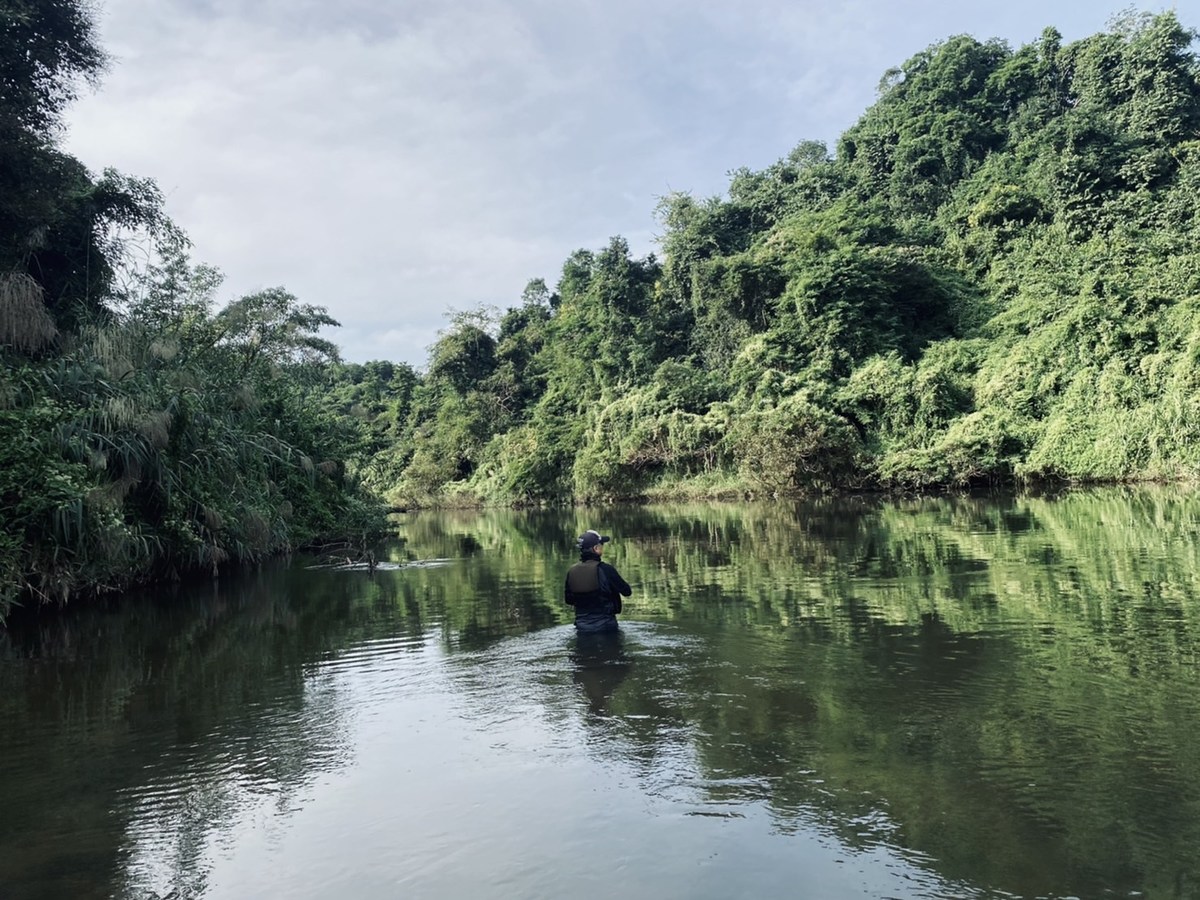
(590, 539)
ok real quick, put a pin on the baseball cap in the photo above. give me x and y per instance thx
(590, 539)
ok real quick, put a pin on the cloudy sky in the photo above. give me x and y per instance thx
(392, 160)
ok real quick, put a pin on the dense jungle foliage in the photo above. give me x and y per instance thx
(995, 277)
(143, 432)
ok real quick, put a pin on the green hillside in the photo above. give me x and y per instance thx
(995, 276)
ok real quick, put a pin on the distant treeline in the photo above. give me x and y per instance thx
(996, 277)
(143, 433)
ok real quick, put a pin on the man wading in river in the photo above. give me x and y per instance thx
(593, 587)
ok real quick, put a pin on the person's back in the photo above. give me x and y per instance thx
(594, 587)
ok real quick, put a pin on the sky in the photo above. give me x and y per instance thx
(397, 161)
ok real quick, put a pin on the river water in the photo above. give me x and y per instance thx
(944, 697)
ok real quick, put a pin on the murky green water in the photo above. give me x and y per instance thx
(937, 698)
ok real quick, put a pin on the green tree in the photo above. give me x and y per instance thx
(993, 278)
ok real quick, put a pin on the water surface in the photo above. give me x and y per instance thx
(952, 697)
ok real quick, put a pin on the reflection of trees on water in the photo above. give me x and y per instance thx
(921, 739)
(155, 721)
(1007, 686)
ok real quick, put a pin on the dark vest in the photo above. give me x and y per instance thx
(588, 588)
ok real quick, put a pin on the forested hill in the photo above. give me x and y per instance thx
(995, 276)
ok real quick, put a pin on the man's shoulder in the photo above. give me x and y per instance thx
(609, 568)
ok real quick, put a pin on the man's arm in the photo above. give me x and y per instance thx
(610, 585)
(616, 582)
(567, 591)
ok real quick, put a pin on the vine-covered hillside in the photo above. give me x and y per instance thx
(995, 275)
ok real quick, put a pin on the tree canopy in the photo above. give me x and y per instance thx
(994, 277)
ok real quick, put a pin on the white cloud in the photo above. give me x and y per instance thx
(392, 160)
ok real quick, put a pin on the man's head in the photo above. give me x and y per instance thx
(593, 540)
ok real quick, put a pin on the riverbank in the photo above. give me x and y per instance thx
(729, 488)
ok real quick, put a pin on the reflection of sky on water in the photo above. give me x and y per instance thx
(934, 699)
(348, 564)
(261, 773)
(492, 773)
